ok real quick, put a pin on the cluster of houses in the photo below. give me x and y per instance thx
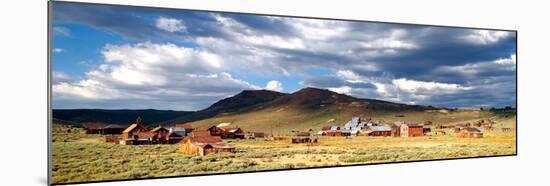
(191, 141)
(367, 127)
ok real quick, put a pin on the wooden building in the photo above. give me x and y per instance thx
(173, 138)
(215, 131)
(92, 128)
(202, 143)
(133, 129)
(113, 129)
(333, 133)
(395, 130)
(411, 130)
(383, 130)
(469, 132)
(233, 133)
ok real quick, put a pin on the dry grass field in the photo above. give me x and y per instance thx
(80, 157)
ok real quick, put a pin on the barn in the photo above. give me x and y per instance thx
(202, 143)
(383, 130)
(411, 130)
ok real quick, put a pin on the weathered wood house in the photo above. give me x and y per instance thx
(411, 130)
(469, 132)
(202, 143)
(113, 129)
(233, 133)
(215, 131)
(134, 128)
(92, 128)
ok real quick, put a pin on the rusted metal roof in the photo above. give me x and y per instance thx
(92, 126)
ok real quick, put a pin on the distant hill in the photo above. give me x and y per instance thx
(244, 101)
(149, 116)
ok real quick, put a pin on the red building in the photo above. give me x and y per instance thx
(411, 130)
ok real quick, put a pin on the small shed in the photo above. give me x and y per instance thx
(202, 143)
(470, 132)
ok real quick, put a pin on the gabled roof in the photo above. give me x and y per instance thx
(158, 128)
(132, 127)
(232, 130)
(92, 125)
(203, 137)
(114, 126)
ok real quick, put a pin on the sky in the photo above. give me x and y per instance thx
(118, 57)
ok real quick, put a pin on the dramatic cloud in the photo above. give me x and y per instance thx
(189, 53)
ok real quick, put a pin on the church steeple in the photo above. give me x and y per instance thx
(138, 120)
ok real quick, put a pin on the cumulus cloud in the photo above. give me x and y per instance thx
(274, 85)
(154, 73)
(170, 24)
